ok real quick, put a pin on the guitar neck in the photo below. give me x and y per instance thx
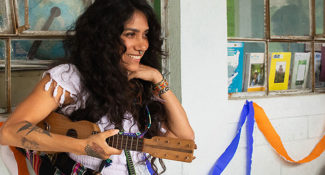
(160, 147)
(125, 142)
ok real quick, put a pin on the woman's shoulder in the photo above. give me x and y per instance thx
(65, 75)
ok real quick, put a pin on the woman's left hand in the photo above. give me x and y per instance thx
(146, 73)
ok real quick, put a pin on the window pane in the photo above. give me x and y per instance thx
(51, 15)
(246, 71)
(290, 18)
(29, 60)
(289, 66)
(35, 50)
(319, 65)
(5, 17)
(319, 10)
(245, 18)
(3, 98)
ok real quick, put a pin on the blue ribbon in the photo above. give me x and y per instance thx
(247, 113)
(151, 171)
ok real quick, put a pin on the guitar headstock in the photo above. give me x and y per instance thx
(170, 148)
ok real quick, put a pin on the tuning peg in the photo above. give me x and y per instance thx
(195, 147)
(193, 158)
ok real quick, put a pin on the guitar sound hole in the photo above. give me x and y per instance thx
(72, 133)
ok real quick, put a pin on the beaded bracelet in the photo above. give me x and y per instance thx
(161, 87)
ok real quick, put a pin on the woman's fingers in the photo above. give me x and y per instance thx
(98, 147)
(146, 73)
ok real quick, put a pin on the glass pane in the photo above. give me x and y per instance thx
(319, 65)
(319, 10)
(3, 97)
(5, 17)
(289, 18)
(246, 64)
(289, 66)
(35, 50)
(29, 60)
(245, 18)
(51, 15)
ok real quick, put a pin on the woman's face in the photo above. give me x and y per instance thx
(135, 40)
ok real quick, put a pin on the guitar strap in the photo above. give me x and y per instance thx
(129, 162)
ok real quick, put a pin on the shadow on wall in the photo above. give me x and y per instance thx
(322, 171)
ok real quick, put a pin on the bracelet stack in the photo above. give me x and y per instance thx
(161, 87)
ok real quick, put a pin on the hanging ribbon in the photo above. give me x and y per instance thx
(273, 138)
(249, 112)
(225, 158)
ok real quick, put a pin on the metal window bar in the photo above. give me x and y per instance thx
(8, 75)
(26, 25)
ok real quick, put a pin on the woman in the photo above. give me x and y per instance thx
(111, 78)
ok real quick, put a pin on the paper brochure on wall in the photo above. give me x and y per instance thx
(317, 67)
(322, 64)
(255, 72)
(235, 66)
(300, 70)
(279, 71)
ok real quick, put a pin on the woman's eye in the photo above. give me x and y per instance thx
(130, 34)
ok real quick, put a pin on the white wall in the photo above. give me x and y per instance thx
(299, 120)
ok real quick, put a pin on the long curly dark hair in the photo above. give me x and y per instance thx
(95, 49)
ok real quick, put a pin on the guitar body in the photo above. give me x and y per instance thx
(160, 147)
(60, 124)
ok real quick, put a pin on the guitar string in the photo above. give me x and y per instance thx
(129, 144)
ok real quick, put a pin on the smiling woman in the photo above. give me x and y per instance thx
(135, 40)
(110, 77)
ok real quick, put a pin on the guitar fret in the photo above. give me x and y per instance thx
(126, 146)
(117, 142)
(121, 143)
(136, 147)
(113, 141)
(125, 142)
(109, 141)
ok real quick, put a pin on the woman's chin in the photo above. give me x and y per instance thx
(132, 68)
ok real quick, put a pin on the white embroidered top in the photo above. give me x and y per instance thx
(68, 78)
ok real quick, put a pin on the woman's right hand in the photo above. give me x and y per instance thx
(96, 145)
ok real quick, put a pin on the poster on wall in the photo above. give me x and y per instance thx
(317, 67)
(255, 72)
(235, 61)
(279, 71)
(300, 70)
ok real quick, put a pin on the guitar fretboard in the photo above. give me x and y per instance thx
(125, 142)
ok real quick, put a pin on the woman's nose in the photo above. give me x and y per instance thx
(142, 44)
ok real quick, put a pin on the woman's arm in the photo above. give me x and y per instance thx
(177, 122)
(20, 128)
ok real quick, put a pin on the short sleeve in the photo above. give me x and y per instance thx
(67, 77)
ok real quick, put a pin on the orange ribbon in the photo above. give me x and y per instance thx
(274, 139)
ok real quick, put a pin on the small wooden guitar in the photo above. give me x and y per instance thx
(160, 147)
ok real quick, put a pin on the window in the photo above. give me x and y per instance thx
(31, 35)
(275, 47)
